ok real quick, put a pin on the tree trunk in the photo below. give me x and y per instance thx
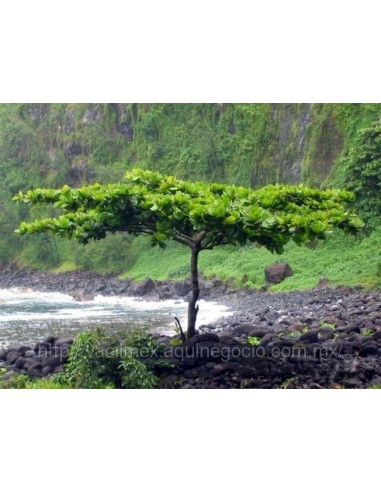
(192, 308)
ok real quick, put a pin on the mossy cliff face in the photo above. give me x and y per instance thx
(248, 144)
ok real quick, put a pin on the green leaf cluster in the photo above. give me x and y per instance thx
(193, 213)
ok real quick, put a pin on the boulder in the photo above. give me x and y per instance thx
(30, 353)
(277, 272)
(258, 333)
(164, 340)
(23, 349)
(224, 367)
(368, 349)
(323, 283)
(46, 370)
(147, 286)
(181, 288)
(152, 297)
(12, 356)
(50, 340)
(311, 336)
(32, 362)
(79, 297)
(245, 278)
(42, 347)
(13, 348)
(20, 362)
(169, 381)
(121, 289)
(63, 341)
(3, 353)
(243, 329)
(204, 337)
(52, 362)
(34, 371)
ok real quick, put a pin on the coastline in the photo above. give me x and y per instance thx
(319, 338)
(84, 283)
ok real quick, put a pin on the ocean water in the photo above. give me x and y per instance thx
(28, 317)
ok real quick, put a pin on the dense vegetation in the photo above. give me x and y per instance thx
(362, 168)
(245, 144)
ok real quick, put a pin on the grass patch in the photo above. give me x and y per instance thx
(156, 263)
(344, 260)
(66, 266)
(24, 382)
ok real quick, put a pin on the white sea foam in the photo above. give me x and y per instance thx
(23, 310)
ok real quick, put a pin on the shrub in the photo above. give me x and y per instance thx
(136, 375)
(99, 360)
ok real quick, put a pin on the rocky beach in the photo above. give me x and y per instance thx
(319, 338)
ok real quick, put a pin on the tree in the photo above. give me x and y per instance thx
(198, 215)
(363, 172)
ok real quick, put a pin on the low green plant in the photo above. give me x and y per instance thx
(85, 367)
(368, 332)
(180, 272)
(136, 375)
(123, 360)
(337, 386)
(66, 266)
(16, 382)
(165, 363)
(46, 383)
(254, 341)
(21, 381)
(175, 342)
(331, 326)
(294, 334)
(288, 382)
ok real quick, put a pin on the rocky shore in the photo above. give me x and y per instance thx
(321, 338)
(46, 357)
(84, 285)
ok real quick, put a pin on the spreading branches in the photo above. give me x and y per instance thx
(193, 213)
(198, 215)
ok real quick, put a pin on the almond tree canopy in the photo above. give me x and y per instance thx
(199, 215)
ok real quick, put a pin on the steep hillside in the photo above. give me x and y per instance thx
(249, 144)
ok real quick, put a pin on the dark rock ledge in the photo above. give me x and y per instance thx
(83, 285)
